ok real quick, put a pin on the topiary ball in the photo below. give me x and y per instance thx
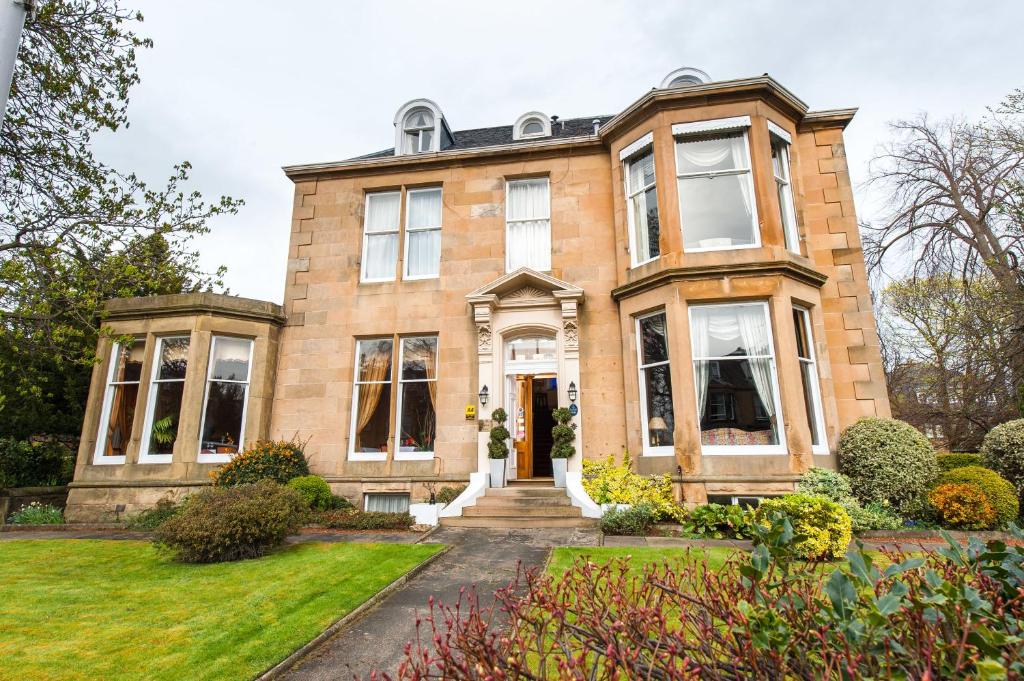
(962, 506)
(314, 490)
(1001, 494)
(1003, 451)
(887, 461)
(825, 527)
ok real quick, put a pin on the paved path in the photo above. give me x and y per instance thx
(485, 559)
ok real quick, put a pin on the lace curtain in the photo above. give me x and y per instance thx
(529, 225)
(424, 227)
(720, 153)
(381, 254)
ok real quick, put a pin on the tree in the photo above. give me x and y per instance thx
(74, 231)
(957, 206)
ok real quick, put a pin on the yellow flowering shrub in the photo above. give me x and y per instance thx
(266, 460)
(609, 483)
(825, 527)
(963, 505)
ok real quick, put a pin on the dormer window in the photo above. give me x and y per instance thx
(684, 77)
(531, 124)
(419, 131)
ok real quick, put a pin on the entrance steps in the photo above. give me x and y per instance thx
(523, 504)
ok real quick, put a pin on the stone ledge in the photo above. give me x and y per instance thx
(215, 304)
(670, 275)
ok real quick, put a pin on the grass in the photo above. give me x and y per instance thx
(563, 558)
(87, 609)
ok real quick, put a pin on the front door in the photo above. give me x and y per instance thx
(534, 397)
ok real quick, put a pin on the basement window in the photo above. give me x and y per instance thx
(386, 503)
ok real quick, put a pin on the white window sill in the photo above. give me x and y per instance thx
(414, 456)
(155, 458)
(669, 450)
(213, 458)
(819, 450)
(645, 262)
(108, 460)
(367, 456)
(711, 249)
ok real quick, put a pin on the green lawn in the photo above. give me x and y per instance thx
(91, 609)
(562, 558)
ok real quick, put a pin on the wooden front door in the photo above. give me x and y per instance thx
(522, 424)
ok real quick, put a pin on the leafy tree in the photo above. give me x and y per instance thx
(74, 231)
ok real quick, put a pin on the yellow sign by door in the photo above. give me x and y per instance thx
(470, 412)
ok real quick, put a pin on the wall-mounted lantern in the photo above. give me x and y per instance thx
(572, 391)
(483, 396)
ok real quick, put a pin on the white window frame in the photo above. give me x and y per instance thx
(648, 449)
(99, 458)
(812, 361)
(399, 454)
(367, 495)
(408, 229)
(224, 458)
(784, 186)
(740, 124)
(509, 221)
(151, 393)
(726, 450)
(367, 234)
(416, 132)
(646, 145)
(354, 411)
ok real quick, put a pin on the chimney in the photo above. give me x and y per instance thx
(597, 124)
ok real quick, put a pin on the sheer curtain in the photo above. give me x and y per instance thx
(718, 154)
(699, 329)
(424, 247)
(754, 332)
(381, 252)
(528, 242)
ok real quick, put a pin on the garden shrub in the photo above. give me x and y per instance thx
(266, 460)
(449, 494)
(1001, 494)
(950, 460)
(1003, 451)
(339, 503)
(825, 528)
(608, 483)
(37, 514)
(836, 487)
(718, 521)
(232, 523)
(962, 505)
(497, 445)
(314, 490)
(563, 434)
(633, 521)
(366, 520)
(152, 518)
(46, 463)
(952, 613)
(887, 461)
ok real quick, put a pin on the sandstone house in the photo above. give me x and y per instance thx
(686, 274)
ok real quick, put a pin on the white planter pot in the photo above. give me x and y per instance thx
(497, 472)
(559, 466)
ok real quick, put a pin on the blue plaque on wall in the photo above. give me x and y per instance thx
(573, 409)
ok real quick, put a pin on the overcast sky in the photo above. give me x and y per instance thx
(240, 88)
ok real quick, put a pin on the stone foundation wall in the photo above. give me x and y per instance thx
(99, 503)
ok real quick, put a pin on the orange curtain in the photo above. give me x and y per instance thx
(369, 393)
(430, 362)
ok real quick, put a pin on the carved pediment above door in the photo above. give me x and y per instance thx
(526, 288)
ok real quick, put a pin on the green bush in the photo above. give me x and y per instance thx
(152, 518)
(562, 434)
(266, 460)
(836, 487)
(232, 523)
(951, 460)
(887, 461)
(366, 520)
(314, 490)
(718, 521)
(1003, 451)
(633, 521)
(824, 529)
(497, 448)
(449, 494)
(1000, 492)
(609, 483)
(339, 503)
(37, 514)
(47, 463)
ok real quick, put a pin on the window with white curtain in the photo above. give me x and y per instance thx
(423, 233)
(166, 389)
(657, 416)
(716, 191)
(738, 337)
(123, 377)
(386, 503)
(809, 377)
(528, 225)
(417, 398)
(227, 393)
(380, 236)
(784, 187)
(419, 131)
(642, 196)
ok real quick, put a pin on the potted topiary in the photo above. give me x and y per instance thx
(562, 435)
(497, 448)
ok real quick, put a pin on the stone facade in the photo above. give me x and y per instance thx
(588, 301)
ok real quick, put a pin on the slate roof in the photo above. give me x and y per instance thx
(502, 134)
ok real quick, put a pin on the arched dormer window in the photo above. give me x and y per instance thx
(531, 124)
(685, 76)
(420, 127)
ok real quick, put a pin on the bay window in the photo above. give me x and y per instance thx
(642, 208)
(737, 338)
(809, 379)
(528, 225)
(226, 398)
(423, 233)
(119, 398)
(166, 388)
(716, 185)
(657, 416)
(780, 141)
(417, 398)
(380, 236)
